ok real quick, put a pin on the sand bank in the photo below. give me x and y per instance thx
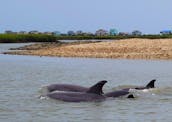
(126, 48)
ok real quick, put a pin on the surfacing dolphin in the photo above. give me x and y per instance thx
(124, 92)
(150, 85)
(94, 93)
(77, 88)
(119, 93)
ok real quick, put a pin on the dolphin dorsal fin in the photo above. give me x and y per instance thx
(151, 84)
(97, 88)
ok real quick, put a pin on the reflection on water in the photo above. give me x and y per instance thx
(21, 78)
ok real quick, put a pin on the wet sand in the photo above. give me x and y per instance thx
(123, 49)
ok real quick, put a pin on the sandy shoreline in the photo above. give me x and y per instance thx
(123, 49)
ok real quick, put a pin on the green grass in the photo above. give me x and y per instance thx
(112, 37)
(22, 38)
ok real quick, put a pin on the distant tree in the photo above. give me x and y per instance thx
(79, 32)
(9, 32)
(137, 33)
(71, 33)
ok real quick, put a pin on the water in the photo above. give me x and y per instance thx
(5, 46)
(23, 77)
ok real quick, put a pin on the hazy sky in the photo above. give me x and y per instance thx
(149, 16)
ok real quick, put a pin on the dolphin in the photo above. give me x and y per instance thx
(123, 92)
(151, 84)
(119, 93)
(77, 88)
(94, 93)
(116, 93)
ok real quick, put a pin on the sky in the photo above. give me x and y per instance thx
(148, 16)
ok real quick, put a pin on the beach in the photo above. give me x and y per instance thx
(135, 48)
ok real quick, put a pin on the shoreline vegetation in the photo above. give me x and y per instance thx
(131, 48)
(24, 38)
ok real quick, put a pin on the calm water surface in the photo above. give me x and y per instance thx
(5, 46)
(23, 77)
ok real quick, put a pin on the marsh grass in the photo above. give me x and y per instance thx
(22, 38)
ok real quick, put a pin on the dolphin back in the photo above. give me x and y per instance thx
(151, 84)
(66, 87)
(97, 88)
(117, 93)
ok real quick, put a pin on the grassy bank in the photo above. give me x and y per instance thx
(20, 38)
(117, 37)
